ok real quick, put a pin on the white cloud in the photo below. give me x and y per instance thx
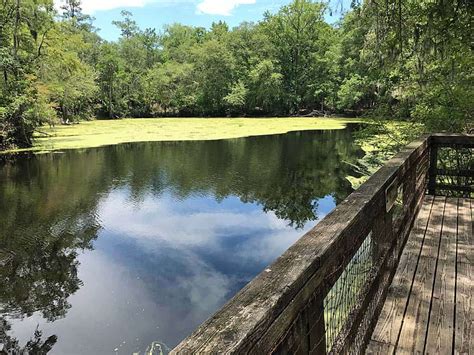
(94, 5)
(91, 6)
(221, 7)
(211, 7)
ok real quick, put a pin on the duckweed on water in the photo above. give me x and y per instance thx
(107, 132)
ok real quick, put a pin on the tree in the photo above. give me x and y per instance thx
(214, 67)
(72, 11)
(299, 35)
(266, 88)
(178, 40)
(110, 68)
(171, 88)
(25, 26)
(236, 98)
(127, 25)
(69, 80)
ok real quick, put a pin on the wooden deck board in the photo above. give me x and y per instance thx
(464, 328)
(430, 304)
(439, 339)
(386, 333)
(415, 322)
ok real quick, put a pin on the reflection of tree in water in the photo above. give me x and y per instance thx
(49, 203)
(39, 276)
(45, 223)
(35, 346)
(285, 174)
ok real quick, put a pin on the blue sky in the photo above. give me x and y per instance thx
(156, 13)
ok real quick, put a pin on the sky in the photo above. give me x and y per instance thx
(157, 13)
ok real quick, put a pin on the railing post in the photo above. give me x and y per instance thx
(382, 231)
(317, 332)
(433, 170)
(307, 334)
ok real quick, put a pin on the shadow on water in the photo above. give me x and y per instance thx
(55, 210)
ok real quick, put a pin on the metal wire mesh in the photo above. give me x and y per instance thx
(310, 333)
(398, 205)
(343, 297)
(340, 319)
(455, 171)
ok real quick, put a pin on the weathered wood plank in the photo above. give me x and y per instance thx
(464, 318)
(432, 169)
(412, 336)
(440, 328)
(385, 335)
(450, 139)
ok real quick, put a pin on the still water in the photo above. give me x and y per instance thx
(118, 249)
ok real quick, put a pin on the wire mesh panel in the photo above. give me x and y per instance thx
(319, 324)
(344, 296)
(454, 171)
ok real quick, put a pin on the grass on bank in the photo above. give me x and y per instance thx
(107, 132)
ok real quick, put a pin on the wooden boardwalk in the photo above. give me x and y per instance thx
(430, 305)
(416, 291)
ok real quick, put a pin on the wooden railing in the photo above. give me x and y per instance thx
(451, 165)
(324, 294)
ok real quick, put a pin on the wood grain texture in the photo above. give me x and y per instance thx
(464, 318)
(415, 323)
(438, 317)
(440, 335)
(385, 335)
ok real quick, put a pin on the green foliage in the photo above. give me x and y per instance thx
(266, 85)
(128, 27)
(214, 66)
(236, 98)
(402, 59)
(352, 91)
(170, 88)
(420, 60)
(301, 40)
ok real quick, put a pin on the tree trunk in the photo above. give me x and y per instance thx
(16, 39)
(111, 111)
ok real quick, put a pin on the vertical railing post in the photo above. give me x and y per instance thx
(382, 228)
(307, 334)
(317, 331)
(433, 169)
(382, 231)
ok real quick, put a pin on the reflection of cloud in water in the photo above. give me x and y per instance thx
(200, 220)
(113, 307)
(202, 225)
(161, 268)
(175, 239)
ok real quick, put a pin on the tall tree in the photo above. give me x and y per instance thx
(24, 28)
(299, 35)
(214, 66)
(127, 25)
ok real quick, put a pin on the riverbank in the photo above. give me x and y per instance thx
(107, 132)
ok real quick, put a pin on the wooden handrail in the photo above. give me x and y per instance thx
(463, 174)
(283, 308)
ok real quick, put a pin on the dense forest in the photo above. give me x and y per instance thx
(401, 59)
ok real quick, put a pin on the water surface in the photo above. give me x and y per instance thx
(107, 250)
